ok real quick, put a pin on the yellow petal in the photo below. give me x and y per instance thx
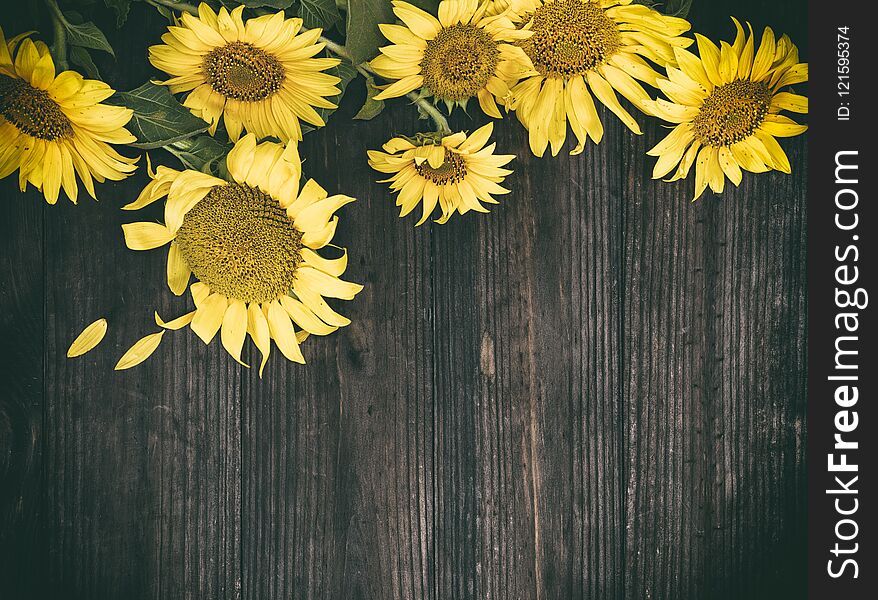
(240, 158)
(304, 318)
(327, 285)
(146, 236)
(209, 317)
(710, 59)
(333, 266)
(319, 307)
(140, 351)
(729, 165)
(316, 216)
(178, 323)
(257, 327)
(200, 291)
(780, 126)
(789, 101)
(607, 96)
(234, 329)
(421, 23)
(764, 56)
(282, 332)
(178, 270)
(781, 162)
(728, 63)
(90, 337)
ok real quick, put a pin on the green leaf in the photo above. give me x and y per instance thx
(363, 37)
(319, 13)
(672, 8)
(87, 35)
(278, 4)
(431, 6)
(81, 58)
(121, 8)
(200, 153)
(344, 71)
(371, 107)
(159, 120)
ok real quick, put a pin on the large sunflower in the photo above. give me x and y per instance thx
(259, 76)
(53, 128)
(585, 47)
(455, 171)
(461, 55)
(251, 243)
(726, 105)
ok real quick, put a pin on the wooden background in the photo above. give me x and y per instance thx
(596, 391)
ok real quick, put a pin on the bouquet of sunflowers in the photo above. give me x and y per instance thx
(239, 83)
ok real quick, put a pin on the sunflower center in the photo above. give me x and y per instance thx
(570, 37)
(242, 71)
(459, 61)
(452, 169)
(32, 110)
(732, 112)
(241, 243)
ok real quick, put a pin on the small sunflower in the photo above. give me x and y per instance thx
(455, 171)
(726, 104)
(460, 55)
(260, 76)
(251, 242)
(53, 128)
(585, 47)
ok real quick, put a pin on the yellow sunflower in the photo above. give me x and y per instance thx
(54, 127)
(455, 171)
(260, 76)
(726, 105)
(251, 243)
(460, 55)
(582, 48)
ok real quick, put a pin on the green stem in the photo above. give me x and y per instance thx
(335, 48)
(173, 5)
(59, 27)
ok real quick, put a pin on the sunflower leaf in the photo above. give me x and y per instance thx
(87, 35)
(159, 120)
(318, 13)
(431, 6)
(80, 57)
(672, 8)
(121, 8)
(200, 153)
(363, 37)
(278, 4)
(371, 107)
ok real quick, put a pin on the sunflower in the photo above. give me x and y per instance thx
(584, 47)
(53, 128)
(727, 105)
(454, 170)
(251, 243)
(460, 55)
(259, 75)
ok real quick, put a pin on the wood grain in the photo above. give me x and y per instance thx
(594, 392)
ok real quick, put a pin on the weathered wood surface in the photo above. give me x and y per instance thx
(597, 391)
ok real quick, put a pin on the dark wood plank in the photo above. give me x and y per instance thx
(22, 327)
(714, 369)
(549, 323)
(143, 496)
